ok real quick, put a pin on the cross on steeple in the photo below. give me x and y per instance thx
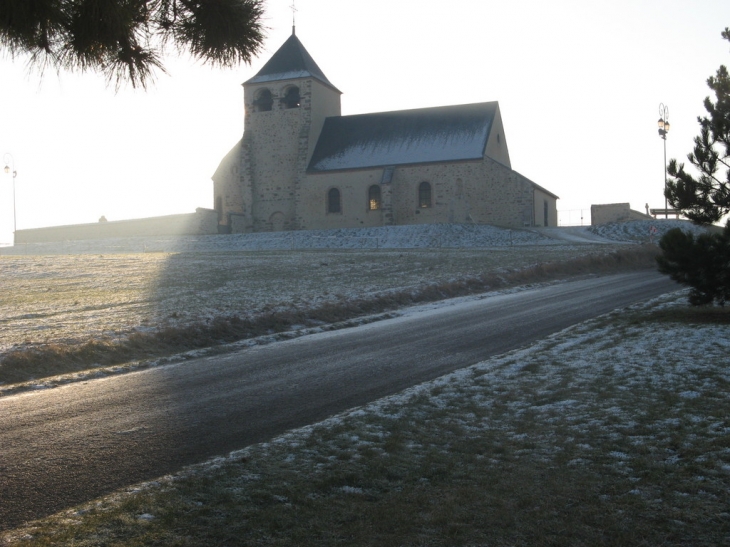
(294, 10)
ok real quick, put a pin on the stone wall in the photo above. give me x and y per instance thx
(227, 190)
(461, 192)
(497, 144)
(354, 212)
(277, 145)
(272, 145)
(202, 222)
(481, 192)
(545, 203)
(239, 224)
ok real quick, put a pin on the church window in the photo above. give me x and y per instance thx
(424, 195)
(374, 198)
(291, 97)
(264, 101)
(333, 201)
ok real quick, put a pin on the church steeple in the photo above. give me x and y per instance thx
(285, 106)
(290, 62)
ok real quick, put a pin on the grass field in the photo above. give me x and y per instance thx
(612, 433)
(71, 298)
(66, 313)
(615, 432)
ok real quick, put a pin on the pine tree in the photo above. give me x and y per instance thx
(705, 199)
(126, 39)
(703, 263)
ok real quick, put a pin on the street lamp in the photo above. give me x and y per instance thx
(8, 160)
(663, 130)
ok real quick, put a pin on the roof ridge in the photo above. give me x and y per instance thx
(424, 109)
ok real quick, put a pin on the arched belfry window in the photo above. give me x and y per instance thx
(374, 198)
(424, 195)
(333, 201)
(264, 100)
(291, 97)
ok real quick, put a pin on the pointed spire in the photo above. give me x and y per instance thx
(290, 62)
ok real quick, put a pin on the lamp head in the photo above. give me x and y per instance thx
(7, 169)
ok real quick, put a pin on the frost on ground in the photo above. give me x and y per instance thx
(619, 395)
(109, 289)
(641, 230)
(421, 236)
(613, 432)
(386, 237)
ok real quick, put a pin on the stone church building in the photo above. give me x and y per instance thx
(301, 165)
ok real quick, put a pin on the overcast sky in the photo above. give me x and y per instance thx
(578, 83)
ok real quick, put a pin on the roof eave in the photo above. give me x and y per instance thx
(537, 186)
(311, 171)
(256, 80)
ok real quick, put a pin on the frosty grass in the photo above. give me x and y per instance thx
(632, 410)
(612, 432)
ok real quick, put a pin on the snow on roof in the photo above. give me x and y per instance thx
(448, 133)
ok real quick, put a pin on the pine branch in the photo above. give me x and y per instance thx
(126, 39)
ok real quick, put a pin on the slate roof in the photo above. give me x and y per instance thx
(448, 133)
(291, 61)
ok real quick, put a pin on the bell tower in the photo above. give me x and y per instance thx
(285, 104)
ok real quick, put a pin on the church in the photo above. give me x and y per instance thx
(302, 165)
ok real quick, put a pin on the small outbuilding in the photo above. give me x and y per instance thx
(615, 212)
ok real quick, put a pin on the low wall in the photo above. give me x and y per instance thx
(615, 212)
(201, 222)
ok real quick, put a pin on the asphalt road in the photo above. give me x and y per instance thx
(70, 444)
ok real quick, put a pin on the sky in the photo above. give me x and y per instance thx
(579, 86)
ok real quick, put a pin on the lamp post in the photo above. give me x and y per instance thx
(663, 130)
(8, 161)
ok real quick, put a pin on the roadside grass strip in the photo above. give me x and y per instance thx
(615, 432)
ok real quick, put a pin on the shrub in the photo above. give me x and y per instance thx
(702, 263)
